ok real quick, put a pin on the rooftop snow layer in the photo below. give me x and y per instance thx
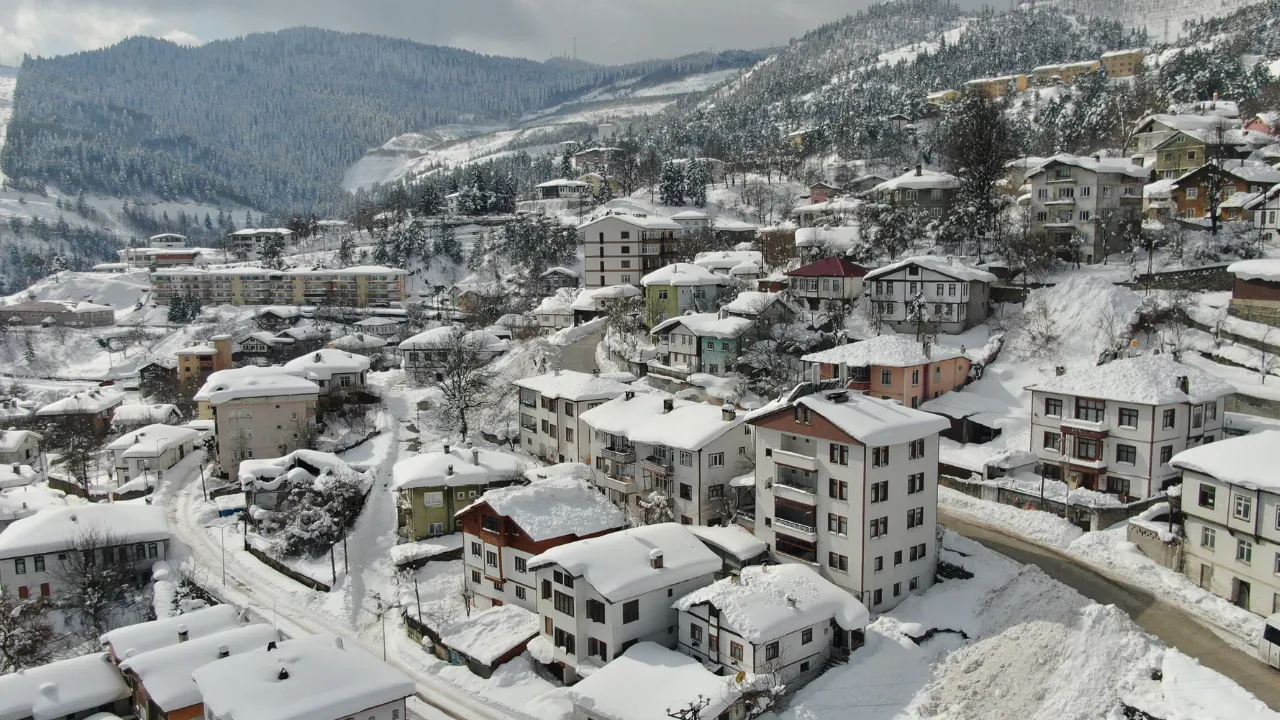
(58, 528)
(1267, 269)
(166, 672)
(89, 402)
(476, 466)
(886, 350)
(438, 338)
(767, 602)
(707, 325)
(250, 382)
(1146, 379)
(829, 267)
(868, 420)
(554, 507)
(143, 413)
(153, 440)
(752, 302)
(926, 180)
(620, 565)
(358, 341)
(646, 681)
(589, 300)
(682, 275)
(1118, 166)
(561, 303)
(1248, 461)
(488, 635)
(832, 238)
(263, 472)
(733, 539)
(727, 259)
(144, 637)
(12, 440)
(940, 265)
(573, 385)
(688, 426)
(323, 364)
(61, 689)
(648, 222)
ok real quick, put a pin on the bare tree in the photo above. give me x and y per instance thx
(1113, 331)
(27, 638)
(96, 580)
(1216, 179)
(463, 378)
(1040, 333)
(1267, 360)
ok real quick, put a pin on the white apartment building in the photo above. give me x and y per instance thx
(1231, 516)
(551, 408)
(1114, 428)
(149, 451)
(1266, 214)
(247, 243)
(848, 483)
(955, 295)
(619, 249)
(1097, 199)
(686, 451)
(598, 597)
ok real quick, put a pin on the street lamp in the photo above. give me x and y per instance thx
(381, 612)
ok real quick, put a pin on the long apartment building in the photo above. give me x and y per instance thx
(365, 286)
(619, 249)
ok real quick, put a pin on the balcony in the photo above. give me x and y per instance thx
(1088, 428)
(624, 485)
(795, 460)
(619, 454)
(651, 248)
(797, 481)
(657, 466)
(795, 527)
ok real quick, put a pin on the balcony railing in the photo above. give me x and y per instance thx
(619, 454)
(795, 460)
(807, 530)
(657, 466)
(650, 248)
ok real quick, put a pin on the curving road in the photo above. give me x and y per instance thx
(1175, 627)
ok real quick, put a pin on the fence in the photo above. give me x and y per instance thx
(1209, 277)
(1085, 517)
(67, 486)
(287, 571)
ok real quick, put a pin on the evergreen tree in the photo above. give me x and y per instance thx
(697, 177)
(447, 245)
(346, 251)
(430, 201)
(978, 142)
(272, 252)
(566, 165)
(382, 252)
(671, 187)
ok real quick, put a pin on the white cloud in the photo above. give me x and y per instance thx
(53, 27)
(181, 37)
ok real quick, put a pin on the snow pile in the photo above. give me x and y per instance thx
(555, 507)
(408, 552)
(768, 602)
(627, 688)
(1085, 312)
(487, 636)
(1156, 519)
(732, 539)
(1035, 525)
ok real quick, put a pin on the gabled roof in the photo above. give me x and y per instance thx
(459, 466)
(323, 364)
(620, 565)
(682, 275)
(765, 603)
(59, 528)
(560, 505)
(1116, 166)
(89, 402)
(1146, 379)
(1248, 461)
(829, 267)
(143, 637)
(251, 382)
(61, 689)
(153, 440)
(573, 385)
(644, 418)
(868, 420)
(940, 265)
(925, 180)
(439, 338)
(647, 223)
(706, 325)
(885, 350)
(166, 672)
(647, 681)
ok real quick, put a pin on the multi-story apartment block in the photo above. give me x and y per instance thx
(1066, 73)
(198, 362)
(164, 256)
(951, 297)
(678, 288)
(1098, 199)
(1155, 129)
(247, 243)
(508, 526)
(369, 286)
(598, 597)
(893, 367)
(998, 87)
(167, 240)
(1231, 519)
(67, 314)
(1123, 63)
(686, 452)
(620, 249)
(551, 408)
(831, 280)
(926, 190)
(849, 484)
(1114, 428)
(692, 222)
(1186, 150)
(258, 413)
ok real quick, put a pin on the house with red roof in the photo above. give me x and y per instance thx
(827, 281)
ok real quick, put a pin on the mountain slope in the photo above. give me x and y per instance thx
(270, 120)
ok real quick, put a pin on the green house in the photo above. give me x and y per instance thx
(679, 288)
(432, 487)
(698, 343)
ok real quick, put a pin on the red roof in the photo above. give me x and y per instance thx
(829, 267)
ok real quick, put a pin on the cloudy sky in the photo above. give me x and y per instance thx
(607, 31)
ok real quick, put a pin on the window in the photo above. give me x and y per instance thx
(1053, 407)
(917, 449)
(715, 460)
(880, 491)
(546, 589)
(433, 499)
(1192, 193)
(1128, 417)
(886, 377)
(491, 558)
(686, 491)
(1167, 419)
(1127, 454)
(475, 549)
(915, 518)
(1243, 508)
(1166, 454)
(564, 603)
(806, 636)
(568, 434)
(879, 526)
(595, 611)
(151, 551)
(1042, 216)
(1085, 214)
(1086, 191)
(735, 651)
(838, 454)
(39, 562)
(475, 577)
(897, 589)
(1042, 193)
(879, 456)
(566, 641)
(1208, 537)
(771, 651)
(915, 483)
(686, 458)
(695, 634)
(878, 564)
(1087, 449)
(915, 374)
(877, 597)
(568, 409)
(1052, 441)
(1211, 411)
(897, 558)
(1089, 410)
(491, 523)
(630, 611)
(20, 566)
(520, 592)
(1208, 496)
(837, 490)
(1244, 551)
(1197, 417)
(838, 562)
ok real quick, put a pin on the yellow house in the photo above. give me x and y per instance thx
(943, 97)
(996, 87)
(1122, 63)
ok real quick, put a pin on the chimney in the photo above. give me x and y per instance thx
(283, 674)
(1097, 158)
(475, 456)
(668, 405)
(449, 470)
(446, 448)
(595, 372)
(791, 601)
(337, 642)
(16, 468)
(655, 559)
(183, 634)
(271, 646)
(1184, 384)
(628, 395)
(919, 170)
(728, 414)
(223, 651)
(1059, 371)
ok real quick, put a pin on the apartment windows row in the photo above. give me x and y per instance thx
(1244, 548)
(954, 290)
(877, 595)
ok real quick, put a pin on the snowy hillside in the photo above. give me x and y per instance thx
(1162, 19)
(8, 81)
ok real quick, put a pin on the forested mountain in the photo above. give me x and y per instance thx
(269, 120)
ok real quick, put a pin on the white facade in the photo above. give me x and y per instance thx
(551, 407)
(1089, 197)
(955, 300)
(615, 246)
(19, 447)
(150, 451)
(248, 243)
(482, 559)
(1266, 216)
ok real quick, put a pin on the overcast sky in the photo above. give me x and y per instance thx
(607, 31)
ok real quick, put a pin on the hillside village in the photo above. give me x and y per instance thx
(796, 434)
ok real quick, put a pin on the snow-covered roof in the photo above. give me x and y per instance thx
(144, 637)
(573, 385)
(13, 410)
(869, 420)
(940, 265)
(766, 602)
(682, 275)
(61, 689)
(557, 270)
(648, 222)
(378, 321)
(1116, 166)
(707, 325)
(13, 440)
(837, 238)
(323, 364)
(688, 426)
(250, 381)
(1146, 379)
(166, 672)
(459, 466)
(731, 225)
(620, 565)
(1175, 121)
(488, 635)
(1248, 461)
(358, 341)
(264, 473)
(554, 507)
(1160, 189)
(153, 440)
(1240, 200)
(1254, 171)
(302, 679)
(828, 267)
(57, 529)
(144, 413)
(302, 332)
(732, 539)
(89, 402)
(746, 268)
(438, 338)
(726, 259)
(16, 476)
(753, 302)
(284, 311)
(197, 350)
(980, 408)
(886, 350)
(561, 303)
(559, 182)
(57, 306)
(834, 205)
(589, 300)
(1267, 269)
(248, 232)
(925, 180)
(648, 680)
(356, 270)
(689, 215)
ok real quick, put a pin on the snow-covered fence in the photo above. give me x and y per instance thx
(1086, 517)
(286, 570)
(1201, 279)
